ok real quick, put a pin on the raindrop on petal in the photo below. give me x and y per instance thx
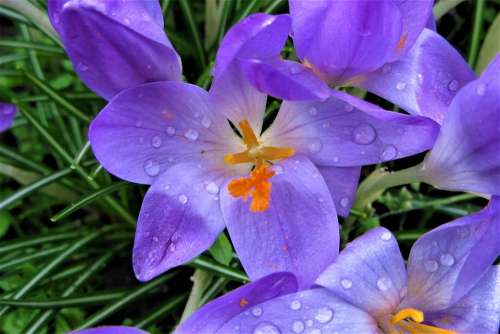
(431, 266)
(191, 134)
(348, 107)
(315, 146)
(170, 130)
(295, 305)
(364, 134)
(447, 260)
(344, 202)
(82, 66)
(386, 236)
(298, 326)
(152, 167)
(266, 328)
(384, 283)
(313, 111)
(156, 141)
(206, 122)
(453, 85)
(346, 284)
(481, 89)
(401, 85)
(183, 199)
(324, 315)
(256, 311)
(212, 188)
(390, 152)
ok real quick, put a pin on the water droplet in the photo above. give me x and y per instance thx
(364, 134)
(156, 141)
(155, 239)
(386, 68)
(344, 202)
(126, 21)
(430, 266)
(82, 66)
(313, 111)
(298, 326)
(346, 284)
(447, 260)
(295, 69)
(390, 152)
(420, 78)
(384, 283)
(348, 107)
(386, 236)
(314, 331)
(481, 89)
(266, 328)
(295, 305)
(453, 85)
(167, 187)
(212, 188)
(183, 199)
(170, 130)
(152, 167)
(315, 146)
(309, 322)
(206, 122)
(171, 247)
(324, 315)
(401, 85)
(336, 159)
(191, 134)
(256, 311)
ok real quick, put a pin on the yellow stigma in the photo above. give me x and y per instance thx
(409, 320)
(257, 184)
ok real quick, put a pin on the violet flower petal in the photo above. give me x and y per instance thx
(299, 233)
(306, 311)
(342, 183)
(343, 39)
(146, 129)
(425, 80)
(115, 45)
(466, 154)
(110, 330)
(447, 262)
(180, 218)
(258, 36)
(211, 317)
(476, 312)
(369, 273)
(7, 114)
(345, 131)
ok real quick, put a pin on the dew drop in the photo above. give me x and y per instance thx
(170, 130)
(298, 326)
(295, 305)
(386, 236)
(401, 85)
(453, 85)
(156, 141)
(344, 202)
(336, 159)
(348, 107)
(155, 239)
(191, 134)
(82, 66)
(313, 111)
(481, 89)
(256, 311)
(346, 284)
(314, 331)
(212, 188)
(447, 260)
(364, 134)
(390, 152)
(430, 266)
(324, 315)
(152, 167)
(295, 69)
(384, 283)
(183, 199)
(266, 328)
(315, 146)
(171, 247)
(309, 322)
(206, 122)
(420, 78)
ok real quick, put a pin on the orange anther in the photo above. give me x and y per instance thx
(256, 186)
(402, 41)
(243, 302)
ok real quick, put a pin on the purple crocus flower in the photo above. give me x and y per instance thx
(382, 46)
(449, 286)
(110, 330)
(7, 115)
(115, 44)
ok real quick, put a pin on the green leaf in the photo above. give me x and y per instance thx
(61, 81)
(221, 250)
(5, 221)
(490, 47)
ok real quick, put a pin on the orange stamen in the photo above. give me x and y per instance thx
(243, 302)
(402, 41)
(410, 319)
(255, 186)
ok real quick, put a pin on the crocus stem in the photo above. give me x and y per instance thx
(476, 32)
(201, 279)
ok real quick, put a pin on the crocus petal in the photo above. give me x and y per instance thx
(466, 154)
(7, 115)
(146, 129)
(343, 39)
(299, 233)
(425, 80)
(342, 183)
(211, 317)
(347, 131)
(180, 218)
(258, 36)
(284, 79)
(115, 45)
(476, 312)
(445, 263)
(110, 330)
(310, 311)
(369, 273)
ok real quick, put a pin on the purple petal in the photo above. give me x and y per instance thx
(425, 80)
(299, 233)
(284, 79)
(369, 273)
(345, 131)
(211, 317)
(146, 129)
(445, 263)
(343, 39)
(342, 183)
(7, 114)
(258, 36)
(310, 311)
(476, 312)
(466, 154)
(180, 218)
(115, 45)
(110, 330)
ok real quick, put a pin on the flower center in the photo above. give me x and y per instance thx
(410, 320)
(257, 184)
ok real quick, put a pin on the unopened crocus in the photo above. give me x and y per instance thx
(114, 44)
(449, 286)
(382, 46)
(7, 114)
